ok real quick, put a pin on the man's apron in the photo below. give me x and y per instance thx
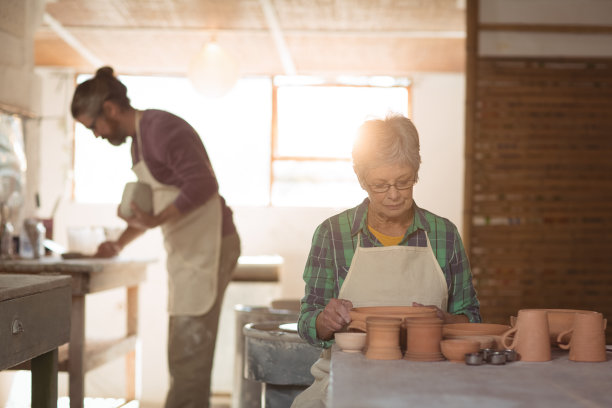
(193, 244)
(381, 276)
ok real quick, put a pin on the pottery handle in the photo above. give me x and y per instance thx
(505, 337)
(605, 323)
(512, 321)
(560, 339)
(358, 325)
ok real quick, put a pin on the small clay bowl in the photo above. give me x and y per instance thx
(351, 342)
(456, 349)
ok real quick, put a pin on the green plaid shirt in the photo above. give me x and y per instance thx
(333, 247)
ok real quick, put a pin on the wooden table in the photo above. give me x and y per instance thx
(91, 276)
(35, 321)
(358, 382)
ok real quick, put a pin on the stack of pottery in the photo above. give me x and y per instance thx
(588, 339)
(360, 314)
(383, 338)
(423, 336)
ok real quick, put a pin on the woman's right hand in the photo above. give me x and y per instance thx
(333, 318)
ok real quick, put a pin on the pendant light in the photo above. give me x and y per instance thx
(213, 72)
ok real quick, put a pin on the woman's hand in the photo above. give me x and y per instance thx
(445, 316)
(333, 318)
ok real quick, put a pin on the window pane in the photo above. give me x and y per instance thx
(315, 184)
(235, 130)
(321, 121)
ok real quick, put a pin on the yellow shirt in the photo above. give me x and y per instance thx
(386, 240)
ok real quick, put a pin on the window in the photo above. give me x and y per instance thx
(301, 158)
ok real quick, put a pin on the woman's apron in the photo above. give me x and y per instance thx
(381, 276)
(192, 242)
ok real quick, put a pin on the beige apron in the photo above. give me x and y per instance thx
(192, 242)
(381, 276)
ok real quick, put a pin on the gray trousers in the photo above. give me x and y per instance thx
(191, 341)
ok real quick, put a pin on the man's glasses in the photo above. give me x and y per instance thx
(92, 127)
(400, 185)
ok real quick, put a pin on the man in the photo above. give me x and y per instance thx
(199, 233)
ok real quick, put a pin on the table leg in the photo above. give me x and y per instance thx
(44, 380)
(76, 371)
(132, 329)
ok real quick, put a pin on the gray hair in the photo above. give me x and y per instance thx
(393, 140)
(90, 95)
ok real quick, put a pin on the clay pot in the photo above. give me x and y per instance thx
(559, 320)
(360, 314)
(350, 342)
(456, 349)
(588, 341)
(423, 336)
(531, 339)
(383, 338)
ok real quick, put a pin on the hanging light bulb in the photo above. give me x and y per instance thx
(213, 72)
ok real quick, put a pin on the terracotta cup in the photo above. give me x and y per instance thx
(383, 338)
(531, 336)
(588, 339)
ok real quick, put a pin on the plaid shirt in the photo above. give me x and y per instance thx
(333, 247)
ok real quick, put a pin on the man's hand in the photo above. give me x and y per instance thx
(140, 220)
(108, 249)
(333, 318)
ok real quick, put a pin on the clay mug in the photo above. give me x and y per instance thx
(588, 340)
(531, 336)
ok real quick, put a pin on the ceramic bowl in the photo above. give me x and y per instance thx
(474, 329)
(456, 349)
(486, 342)
(351, 342)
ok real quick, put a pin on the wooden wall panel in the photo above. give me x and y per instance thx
(540, 204)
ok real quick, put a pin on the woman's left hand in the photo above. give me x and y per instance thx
(445, 316)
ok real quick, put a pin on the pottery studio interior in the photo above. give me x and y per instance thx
(175, 234)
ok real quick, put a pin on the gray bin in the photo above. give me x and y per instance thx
(246, 392)
(280, 361)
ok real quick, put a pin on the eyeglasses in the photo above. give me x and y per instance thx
(400, 185)
(92, 127)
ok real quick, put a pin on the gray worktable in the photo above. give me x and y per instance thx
(357, 382)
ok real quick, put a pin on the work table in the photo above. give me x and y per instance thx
(90, 275)
(358, 382)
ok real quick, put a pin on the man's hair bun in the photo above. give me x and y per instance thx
(105, 72)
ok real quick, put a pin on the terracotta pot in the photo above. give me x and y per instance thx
(360, 314)
(588, 339)
(531, 339)
(559, 320)
(423, 335)
(383, 338)
(456, 349)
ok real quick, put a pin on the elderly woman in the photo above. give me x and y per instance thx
(385, 252)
